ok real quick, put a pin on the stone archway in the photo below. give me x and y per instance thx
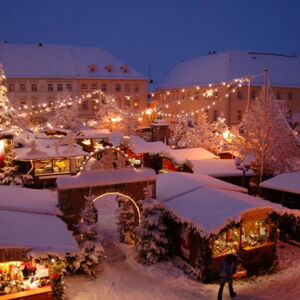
(109, 172)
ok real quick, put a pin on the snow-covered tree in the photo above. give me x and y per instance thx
(126, 222)
(8, 115)
(66, 113)
(179, 136)
(92, 252)
(153, 244)
(265, 133)
(111, 117)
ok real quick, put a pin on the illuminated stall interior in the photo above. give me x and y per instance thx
(30, 277)
(254, 231)
(6, 146)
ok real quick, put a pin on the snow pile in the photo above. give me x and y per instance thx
(287, 182)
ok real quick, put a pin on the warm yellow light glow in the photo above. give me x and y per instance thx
(116, 119)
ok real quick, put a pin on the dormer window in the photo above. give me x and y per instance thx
(125, 68)
(92, 68)
(109, 68)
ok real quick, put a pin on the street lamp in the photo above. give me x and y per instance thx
(244, 165)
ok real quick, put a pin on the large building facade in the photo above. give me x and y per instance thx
(39, 74)
(225, 83)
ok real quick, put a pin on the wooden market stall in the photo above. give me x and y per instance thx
(206, 224)
(31, 252)
(6, 146)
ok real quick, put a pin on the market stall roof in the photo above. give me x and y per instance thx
(188, 154)
(21, 199)
(139, 145)
(114, 137)
(218, 168)
(50, 151)
(44, 234)
(287, 182)
(210, 209)
(105, 177)
(173, 184)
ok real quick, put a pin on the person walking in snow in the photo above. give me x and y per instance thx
(226, 270)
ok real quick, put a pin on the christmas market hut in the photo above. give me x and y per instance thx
(46, 158)
(283, 188)
(207, 223)
(33, 246)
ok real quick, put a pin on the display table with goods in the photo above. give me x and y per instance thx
(25, 280)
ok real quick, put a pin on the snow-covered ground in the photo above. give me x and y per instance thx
(122, 278)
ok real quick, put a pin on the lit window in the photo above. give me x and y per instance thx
(23, 104)
(11, 87)
(136, 87)
(50, 87)
(34, 88)
(136, 104)
(118, 87)
(84, 87)
(59, 87)
(127, 87)
(239, 115)
(215, 115)
(22, 87)
(94, 86)
(104, 87)
(69, 87)
(84, 105)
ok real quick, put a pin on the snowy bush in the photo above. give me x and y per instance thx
(126, 223)
(153, 244)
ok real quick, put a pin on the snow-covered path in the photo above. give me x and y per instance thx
(122, 278)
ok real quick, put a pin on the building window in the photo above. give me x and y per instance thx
(253, 95)
(215, 115)
(22, 87)
(11, 87)
(34, 106)
(34, 87)
(118, 87)
(50, 87)
(84, 105)
(136, 104)
(127, 87)
(104, 87)
(69, 87)
(94, 86)
(290, 95)
(84, 87)
(50, 103)
(136, 87)
(23, 104)
(278, 95)
(59, 87)
(239, 115)
(239, 95)
(95, 105)
(127, 103)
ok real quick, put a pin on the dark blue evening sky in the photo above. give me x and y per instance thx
(152, 36)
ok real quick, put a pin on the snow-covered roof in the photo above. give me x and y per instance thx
(284, 70)
(173, 184)
(105, 177)
(48, 152)
(217, 167)
(114, 137)
(139, 145)
(44, 234)
(211, 209)
(287, 182)
(28, 200)
(182, 155)
(61, 61)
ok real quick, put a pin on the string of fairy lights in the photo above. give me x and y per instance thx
(98, 96)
